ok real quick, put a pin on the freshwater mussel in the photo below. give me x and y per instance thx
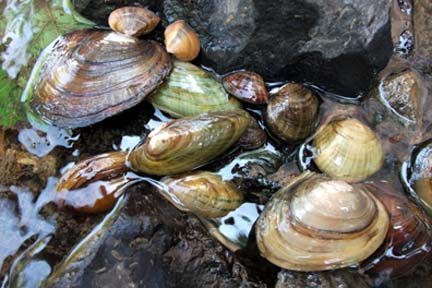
(190, 91)
(203, 193)
(187, 143)
(133, 20)
(347, 149)
(316, 223)
(90, 75)
(182, 41)
(292, 114)
(247, 86)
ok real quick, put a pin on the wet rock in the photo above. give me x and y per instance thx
(152, 244)
(422, 53)
(342, 278)
(337, 44)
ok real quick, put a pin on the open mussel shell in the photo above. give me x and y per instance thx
(247, 86)
(133, 20)
(187, 143)
(417, 173)
(316, 223)
(90, 75)
(293, 113)
(347, 149)
(408, 241)
(202, 193)
(182, 41)
(93, 185)
(190, 91)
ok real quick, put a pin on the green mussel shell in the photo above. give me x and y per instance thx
(190, 91)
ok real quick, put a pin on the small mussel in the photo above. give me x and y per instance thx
(246, 86)
(420, 174)
(190, 91)
(347, 149)
(187, 143)
(408, 241)
(94, 185)
(292, 114)
(254, 136)
(133, 20)
(182, 41)
(90, 75)
(316, 223)
(204, 194)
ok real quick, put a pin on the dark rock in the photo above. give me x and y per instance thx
(423, 36)
(335, 44)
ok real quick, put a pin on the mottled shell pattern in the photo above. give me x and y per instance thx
(205, 194)
(247, 86)
(133, 21)
(348, 149)
(316, 223)
(187, 143)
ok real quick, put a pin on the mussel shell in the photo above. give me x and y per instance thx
(254, 136)
(348, 149)
(293, 113)
(133, 20)
(187, 143)
(190, 91)
(203, 193)
(182, 41)
(247, 86)
(90, 75)
(91, 185)
(315, 223)
(409, 239)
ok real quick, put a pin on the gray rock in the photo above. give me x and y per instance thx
(336, 44)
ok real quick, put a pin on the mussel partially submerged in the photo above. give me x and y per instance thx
(316, 223)
(187, 143)
(205, 194)
(90, 75)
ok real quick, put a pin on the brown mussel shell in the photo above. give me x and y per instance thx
(133, 20)
(246, 86)
(90, 75)
(348, 149)
(187, 143)
(254, 136)
(182, 41)
(202, 193)
(316, 223)
(91, 185)
(292, 114)
(409, 239)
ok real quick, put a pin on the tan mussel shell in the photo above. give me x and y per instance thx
(182, 41)
(133, 21)
(315, 223)
(348, 150)
(202, 193)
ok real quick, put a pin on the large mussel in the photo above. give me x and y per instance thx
(348, 149)
(316, 223)
(205, 194)
(292, 114)
(190, 91)
(90, 75)
(187, 143)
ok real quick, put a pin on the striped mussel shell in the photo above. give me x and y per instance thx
(246, 86)
(190, 91)
(315, 223)
(347, 149)
(187, 143)
(133, 20)
(202, 193)
(90, 75)
(292, 114)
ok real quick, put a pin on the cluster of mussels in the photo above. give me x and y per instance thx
(316, 222)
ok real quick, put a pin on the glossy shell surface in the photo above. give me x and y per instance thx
(133, 20)
(182, 41)
(90, 75)
(247, 86)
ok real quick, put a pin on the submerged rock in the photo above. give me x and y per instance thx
(337, 44)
